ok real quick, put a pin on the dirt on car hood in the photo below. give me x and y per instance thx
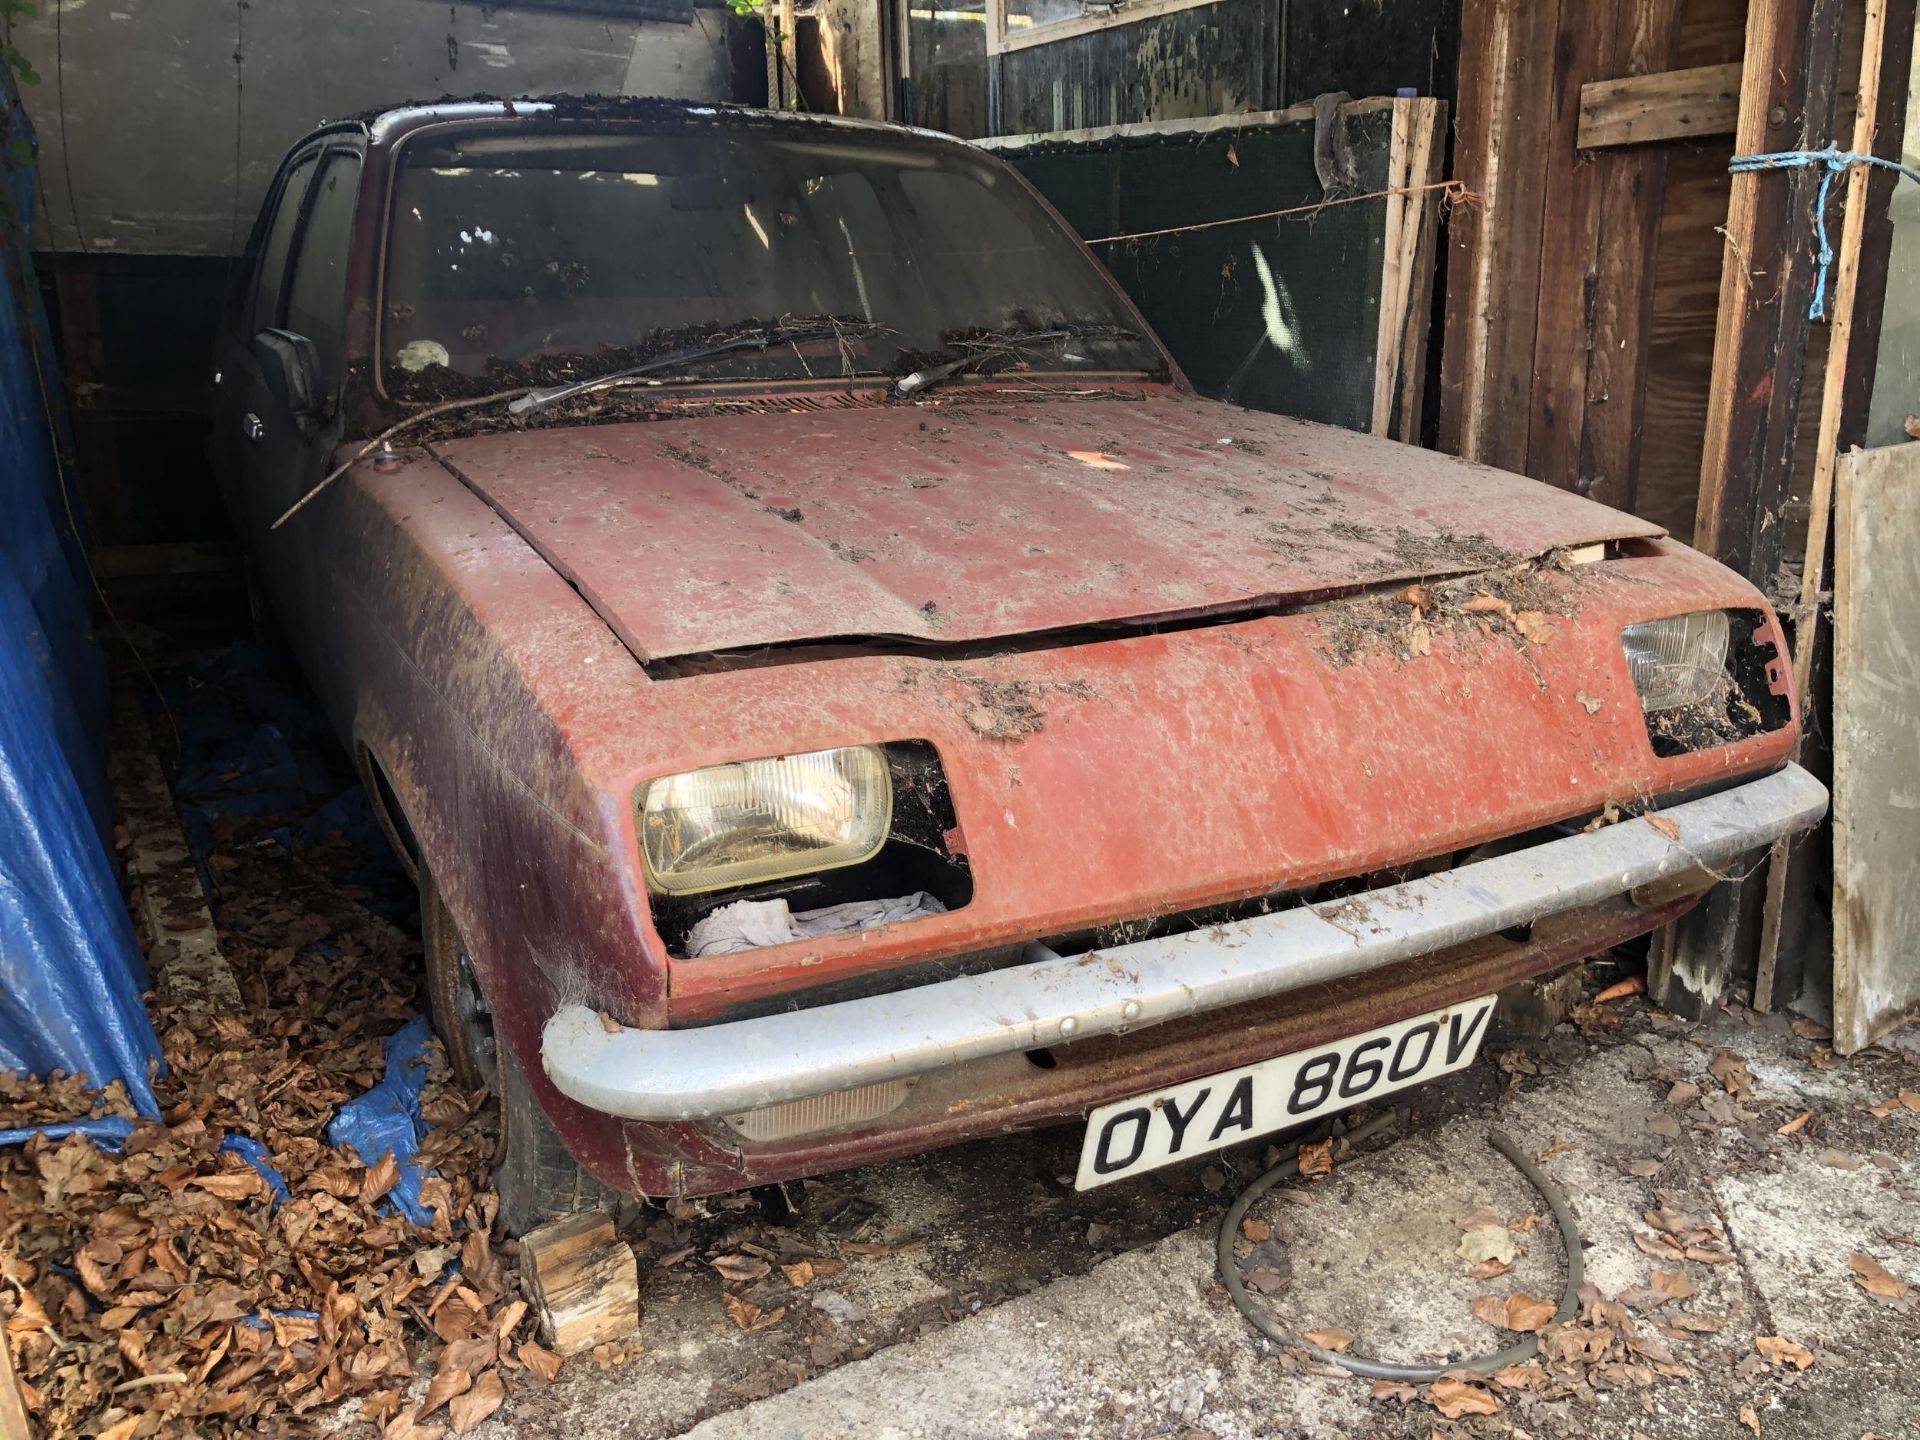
(975, 521)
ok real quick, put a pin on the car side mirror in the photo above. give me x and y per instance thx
(290, 366)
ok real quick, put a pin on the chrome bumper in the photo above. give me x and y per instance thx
(742, 1065)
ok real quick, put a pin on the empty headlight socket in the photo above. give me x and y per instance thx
(1752, 702)
(923, 851)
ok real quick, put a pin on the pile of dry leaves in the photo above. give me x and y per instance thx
(165, 1290)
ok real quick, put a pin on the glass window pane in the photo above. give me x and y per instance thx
(317, 291)
(269, 279)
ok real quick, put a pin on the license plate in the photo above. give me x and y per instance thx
(1175, 1124)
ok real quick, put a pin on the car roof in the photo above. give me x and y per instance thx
(388, 125)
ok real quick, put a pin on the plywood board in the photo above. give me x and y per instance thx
(1876, 744)
(1319, 313)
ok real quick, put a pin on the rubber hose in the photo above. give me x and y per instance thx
(1514, 1354)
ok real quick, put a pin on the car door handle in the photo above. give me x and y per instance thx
(252, 426)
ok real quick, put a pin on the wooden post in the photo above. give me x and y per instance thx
(1787, 82)
(582, 1281)
(1833, 405)
(1486, 365)
(1787, 86)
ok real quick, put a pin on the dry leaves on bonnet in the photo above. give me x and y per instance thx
(144, 1293)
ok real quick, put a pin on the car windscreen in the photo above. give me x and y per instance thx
(530, 257)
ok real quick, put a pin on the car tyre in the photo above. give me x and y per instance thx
(535, 1174)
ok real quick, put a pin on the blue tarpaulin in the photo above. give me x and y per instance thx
(70, 967)
(387, 1117)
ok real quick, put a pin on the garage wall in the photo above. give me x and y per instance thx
(147, 108)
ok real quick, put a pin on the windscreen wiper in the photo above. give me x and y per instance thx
(995, 345)
(753, 340)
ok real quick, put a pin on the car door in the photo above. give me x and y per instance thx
(255, 306)
(290, 372)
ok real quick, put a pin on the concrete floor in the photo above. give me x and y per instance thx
(1014, 1307)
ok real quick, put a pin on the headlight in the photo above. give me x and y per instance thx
(764, 820)
(1679, 661)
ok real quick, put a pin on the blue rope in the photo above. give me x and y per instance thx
(1837, 162)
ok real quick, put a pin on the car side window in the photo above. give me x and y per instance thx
(317, 287)
(270, 279)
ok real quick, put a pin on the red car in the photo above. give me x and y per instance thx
(842, 693)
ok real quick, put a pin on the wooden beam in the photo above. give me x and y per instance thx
(582, 1281)
(1766, 282)
(1563, 326)
(1666, 105)
(1846, 293)
(1633, 187)
(183, 945)
(1486, 361)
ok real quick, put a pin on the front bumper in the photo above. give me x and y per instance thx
(694, 1074)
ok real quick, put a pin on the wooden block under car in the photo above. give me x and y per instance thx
(582, 1281)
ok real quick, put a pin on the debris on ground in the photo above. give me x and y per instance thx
(226, 1268)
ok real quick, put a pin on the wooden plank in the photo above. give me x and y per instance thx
(1506, 85)
(1406, 283)
(1632, 200)
(1563, 338)
(1760, 332)
(1876, 734)
(1002, 37)
(1846, 289)
(582, 1281)
(183, 947)
(1666, 105)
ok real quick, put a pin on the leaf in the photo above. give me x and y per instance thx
(1658, 1246)
(1333, 1339)
(608, 1023)
(1519, 1377)
(1490, 1308)
(799, 1274)
(1526, 1314)
(1394, 1390)
(1317, 1159)
(1455, 1398)
(537, 1358)
(1664, 825)
(1874, 1278)
(1532, 626)
(740, 1268)
(237, 1185)
(1477, 1219)
(1490, 1269)
(379, 1179)
(1256, 1230)
(1673, 1284)
(1749, 1419)
(1487, 1242)
(1884, 1108)
(1781, 1351)
(1233, 157)
(1795, 1125)
(742, 1312)
(1731, 1071)
(1620, 990)
(448, 1381)
(486, 1396)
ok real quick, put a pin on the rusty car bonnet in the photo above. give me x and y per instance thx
(980, 522)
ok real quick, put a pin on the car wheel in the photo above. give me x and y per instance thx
(535, 1174)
